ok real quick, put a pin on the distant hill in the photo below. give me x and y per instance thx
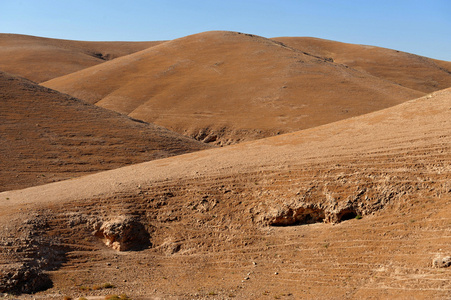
(408, 70)
(40, 59)
(47, 136)
(227, 87)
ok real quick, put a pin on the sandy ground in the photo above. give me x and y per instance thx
(365, 205)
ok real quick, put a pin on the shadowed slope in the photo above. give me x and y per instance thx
(225, 87)
(48, 136)
(208, 215)
(409, 70)
(40, 59)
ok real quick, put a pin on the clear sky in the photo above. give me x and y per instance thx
(420, 27)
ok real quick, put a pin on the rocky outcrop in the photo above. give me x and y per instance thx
(442, 262)
(27, 253)
(123, 234)
(322, 203)
(24, 279)
(307, 214)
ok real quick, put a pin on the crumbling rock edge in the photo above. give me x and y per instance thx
(308, 213)
(441, 262)
(123, 233)
(318, 204)
(29, 252)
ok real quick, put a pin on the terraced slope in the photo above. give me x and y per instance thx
(409, 70)
(40, 59)
(227, 87)
(47, 136)
(275, 218)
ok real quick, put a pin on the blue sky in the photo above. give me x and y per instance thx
(420, 27)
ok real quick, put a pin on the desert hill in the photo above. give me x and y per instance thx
(40, 59)
(359, 209)
(409, 70)
(227, 87)
(47, 136)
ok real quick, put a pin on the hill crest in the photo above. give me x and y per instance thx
(228, 87)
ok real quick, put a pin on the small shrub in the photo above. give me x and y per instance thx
(358, 217)
(103, 286)
(108, 286)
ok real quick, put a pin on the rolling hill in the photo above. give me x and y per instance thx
(47, 136)
(360, 208)
(408, 70)
(40, 59)
(227, 87)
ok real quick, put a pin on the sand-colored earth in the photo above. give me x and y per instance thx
(406, 69)
(47, 136)
(357, 205)
(211, 216)
(40, 59)
(227, 87)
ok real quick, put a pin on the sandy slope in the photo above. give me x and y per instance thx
(225, 87)
(47, 136)
(409, 70)
(209, 214)
(40, 59)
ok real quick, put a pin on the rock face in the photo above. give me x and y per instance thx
(28, 254)
(24, 279)
(315, 203)
(303, 215)
(123, 234)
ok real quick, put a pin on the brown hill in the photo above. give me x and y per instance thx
(40, 59)
(225, 87)
(409, 70)
(47, 136)
(209, 224)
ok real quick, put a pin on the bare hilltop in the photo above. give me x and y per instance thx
(227, 87)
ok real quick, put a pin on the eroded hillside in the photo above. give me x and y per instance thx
(47, 136)
(406, 69)
(228, 87)
(355, 209)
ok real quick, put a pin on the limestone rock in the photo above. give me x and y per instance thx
(441, 262)
(124, 234)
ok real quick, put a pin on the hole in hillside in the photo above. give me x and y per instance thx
(98, 55)
(301, 216)
(102, 56)
(348, 214)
